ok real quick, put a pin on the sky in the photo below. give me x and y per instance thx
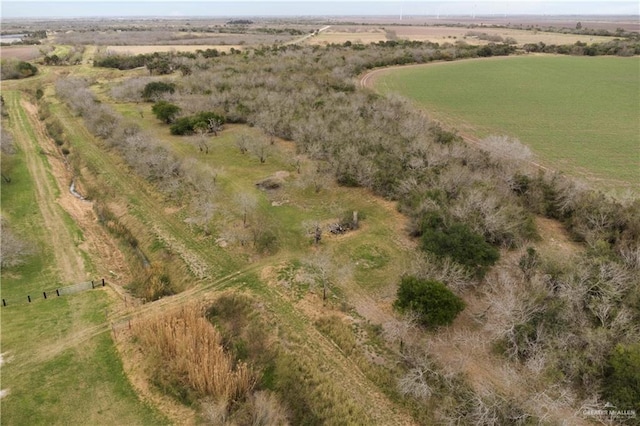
(220, 8)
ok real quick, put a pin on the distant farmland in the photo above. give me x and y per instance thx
(579, 114)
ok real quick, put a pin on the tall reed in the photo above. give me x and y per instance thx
(187, 350)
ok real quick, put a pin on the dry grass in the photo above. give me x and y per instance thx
(23, 53)
(366, 36)
(451, 34)
(441, 34)
(138, 50)
(187, 352)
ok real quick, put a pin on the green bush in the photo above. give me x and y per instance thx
(165, 111)
(459, 243)
(202, 120)
(622, 378)
(156, 88)
(434, 303)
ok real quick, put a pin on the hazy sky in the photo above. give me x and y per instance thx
(213, 8)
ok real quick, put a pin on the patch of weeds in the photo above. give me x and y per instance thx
(370, 256)
(340, 333)
(157, 245)
(291, 277)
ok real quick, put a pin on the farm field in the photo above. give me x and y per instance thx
(440, 34)
(578, 114)
(143, 49)
(339, 35)
(23, 53)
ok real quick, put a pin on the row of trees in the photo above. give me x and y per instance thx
(615, 47)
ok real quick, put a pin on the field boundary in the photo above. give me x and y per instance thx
(54, 293)
(367, 81)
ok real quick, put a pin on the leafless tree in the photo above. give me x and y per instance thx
(242, 142)
(202, 142)
(322, 270)
(7, 151)
(446, 271)
(247, 203)
(259, 147)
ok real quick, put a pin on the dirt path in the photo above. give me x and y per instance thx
(68, 259)
(106, 257)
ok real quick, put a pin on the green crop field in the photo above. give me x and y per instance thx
(578, 114)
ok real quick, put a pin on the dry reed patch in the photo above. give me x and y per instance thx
(187, 356)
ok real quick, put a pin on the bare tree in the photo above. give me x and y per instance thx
(259, 147)
(314, 228)
(317, 178)
(321, 269)
(247, 203)
(242, 142)
(455, 276)
(202, 141)
(7, 151)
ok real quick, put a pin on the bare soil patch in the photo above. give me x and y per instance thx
(23, 53)
(339, 36)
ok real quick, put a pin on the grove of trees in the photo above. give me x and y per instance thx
(577, 317)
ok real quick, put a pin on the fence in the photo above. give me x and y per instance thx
(53, 293)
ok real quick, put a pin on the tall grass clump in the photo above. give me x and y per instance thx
(188, 358)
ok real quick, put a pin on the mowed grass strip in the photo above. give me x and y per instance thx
(578, 114)
(45, 383)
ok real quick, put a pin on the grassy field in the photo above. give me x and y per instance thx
(578, 114)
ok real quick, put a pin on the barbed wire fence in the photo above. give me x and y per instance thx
(53, 293)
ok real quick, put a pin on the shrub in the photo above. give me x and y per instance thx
(157, 88)
(459, 243)
(206, 121)
(622, 378)
(432, 301)
(13, 69)
(165, 111)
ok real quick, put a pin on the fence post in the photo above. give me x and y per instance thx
(44, 293)
(103, 282)
(57, 292)
(92, 284)
(29, 299)
(4, 302)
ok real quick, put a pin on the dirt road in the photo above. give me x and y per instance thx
(28, 136)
